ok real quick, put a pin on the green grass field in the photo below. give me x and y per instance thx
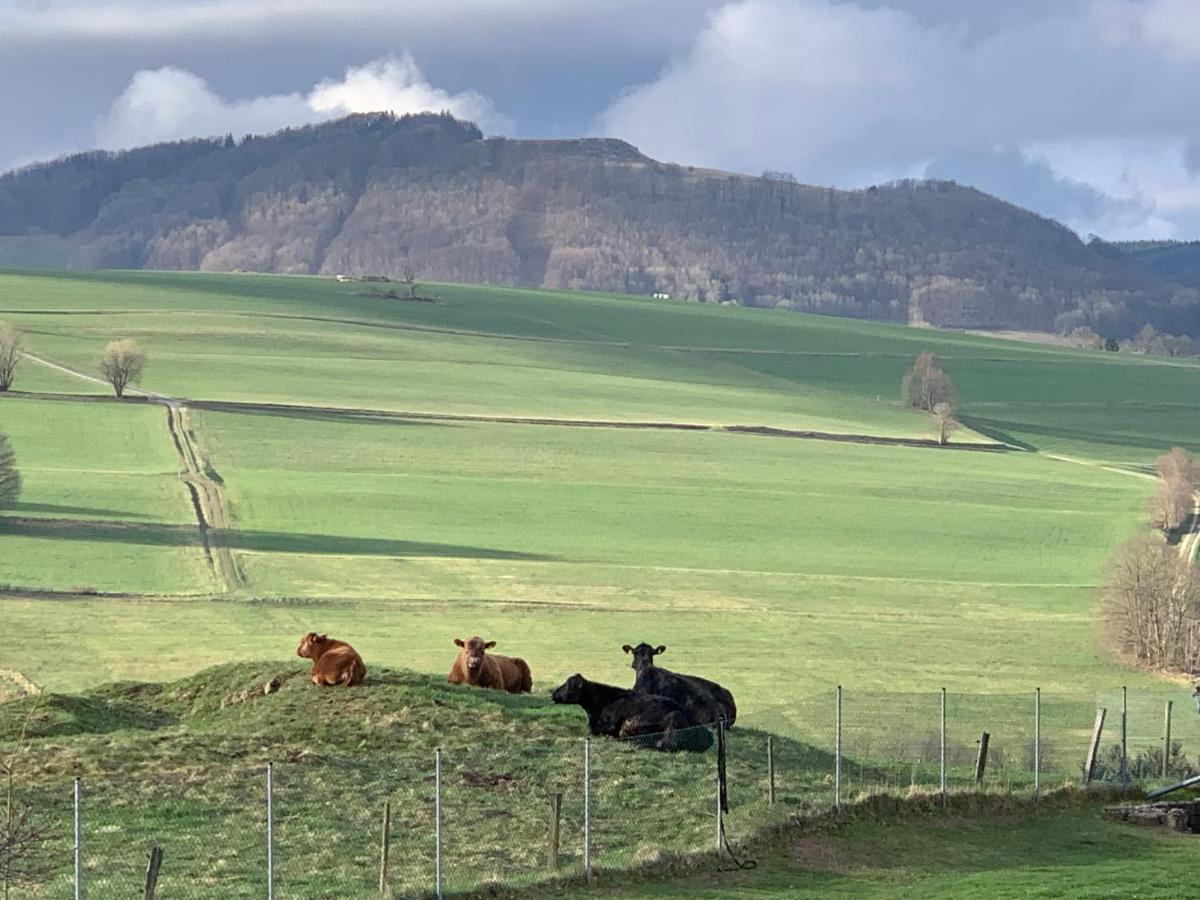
(401, 533)
(1066, 850)
(781, 566)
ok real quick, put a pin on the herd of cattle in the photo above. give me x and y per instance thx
(664, 710)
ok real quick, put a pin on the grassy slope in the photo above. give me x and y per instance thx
(182, 765)
(1068, 850)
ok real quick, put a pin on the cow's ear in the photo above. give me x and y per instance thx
(323, 637)
(489, 645)
(661, 648)
(458, 642)
(626, 648)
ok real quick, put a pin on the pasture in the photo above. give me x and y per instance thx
(399, 474)
(870, 565)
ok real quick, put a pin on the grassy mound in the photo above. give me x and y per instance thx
(183, 764)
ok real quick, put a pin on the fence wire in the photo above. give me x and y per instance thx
(515, 813)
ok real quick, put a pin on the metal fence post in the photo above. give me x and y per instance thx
(1124, 737)
(587, 809)
(79, 891)
(437, 822)
(1037, 743)
(270, 831)
(942, 750)
(837, 751)
(720, 751)
(1166, 753)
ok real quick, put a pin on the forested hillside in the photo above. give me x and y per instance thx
(1177, 261)
(378, 194)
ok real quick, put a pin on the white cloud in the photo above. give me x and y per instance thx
(171, 103)
(841, 93)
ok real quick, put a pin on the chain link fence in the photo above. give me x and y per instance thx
(518, 812)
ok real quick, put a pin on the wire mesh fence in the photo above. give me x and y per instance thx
(516, 813)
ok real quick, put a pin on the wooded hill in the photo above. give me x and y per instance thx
(378, 194)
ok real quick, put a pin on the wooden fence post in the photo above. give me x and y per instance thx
(1089, 766)
(981, 760)
(770, 770)
(555, 822)
(385, 842)
(1166, 755)
(156, 857)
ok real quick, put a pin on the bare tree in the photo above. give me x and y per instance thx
(22, 838)
(409, 277)
(10, 354)
(122, 364)
(10, 476)
(1172, 504)
(1151, 604)
(1174, 500)
(1178, 463)
(925, 385)
(943, 421)
(1085, 338)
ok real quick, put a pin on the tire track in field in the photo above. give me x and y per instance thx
(208, 500)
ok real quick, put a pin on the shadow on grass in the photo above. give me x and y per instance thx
(60, 715)
(993, 428)
(987, 427)
(318, 414)
(58, 510)
(165, 535)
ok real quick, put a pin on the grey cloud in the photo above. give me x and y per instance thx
(1031, 183)
(843, 93)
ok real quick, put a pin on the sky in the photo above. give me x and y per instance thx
(1085, 111)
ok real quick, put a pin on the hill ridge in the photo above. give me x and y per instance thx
(380, 194)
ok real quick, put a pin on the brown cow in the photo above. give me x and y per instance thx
(477, 667)
(334, 662)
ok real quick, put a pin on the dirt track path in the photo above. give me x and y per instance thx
(208, 501)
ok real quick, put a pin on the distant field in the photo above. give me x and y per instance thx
(876, 566)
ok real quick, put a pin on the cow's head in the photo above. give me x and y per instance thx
(310, 645)
(643, 655)
(570, 690)
(474, 649)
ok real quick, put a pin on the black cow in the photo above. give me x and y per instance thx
(705, 700)
(649, 721)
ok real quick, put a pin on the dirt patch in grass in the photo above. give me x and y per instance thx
(822, 853)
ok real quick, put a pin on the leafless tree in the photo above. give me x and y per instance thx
(1151, 604)
(10, 354)
(943, 421)
(409, 277)
(1172, 504)
(1178, 463)
(22, 838)
(10, 476)
(1085, 338)
(925, 385)
(1174, 500)
(122, 364)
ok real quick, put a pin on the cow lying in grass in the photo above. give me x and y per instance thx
(657, 722)
(706, 701)
(477, 667)
(334, 662)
